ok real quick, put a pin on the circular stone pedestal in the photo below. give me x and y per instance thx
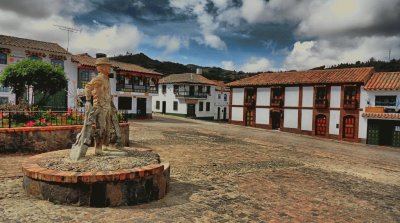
(95, 188)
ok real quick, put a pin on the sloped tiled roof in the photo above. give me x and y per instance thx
(334, 76)
(221, 86)
(31, 44)
(189, 78)
(381, 115)
(86, 60)
(384, 81)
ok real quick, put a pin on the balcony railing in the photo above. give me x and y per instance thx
(5, 89)
(321, 103)
(350, 103)
(276, 102)
(137, 88)
(191, 94)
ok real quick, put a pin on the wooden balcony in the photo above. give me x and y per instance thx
(137, 88)
(250, 103)
(375, 109)
(191, 94)
(321, 103)
(350, 104)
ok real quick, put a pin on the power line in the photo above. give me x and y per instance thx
(68, 30)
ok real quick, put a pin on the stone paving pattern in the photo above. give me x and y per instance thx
(227, 173)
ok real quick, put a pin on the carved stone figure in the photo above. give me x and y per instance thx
(107, 135)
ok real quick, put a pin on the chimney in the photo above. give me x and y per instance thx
(100, 55)
(199, 71)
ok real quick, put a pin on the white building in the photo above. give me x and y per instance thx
(380, 103)
(188, 95)
(324, 103)
(14, 49)
(132, 86)
(221, 101)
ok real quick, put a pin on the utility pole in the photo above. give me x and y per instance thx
(68, 30)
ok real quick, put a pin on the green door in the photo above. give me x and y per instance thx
(396, 136)
(373, 133)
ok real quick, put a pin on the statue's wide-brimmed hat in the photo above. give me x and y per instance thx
(103, 61)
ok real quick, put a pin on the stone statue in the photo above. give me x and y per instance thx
(103, 113)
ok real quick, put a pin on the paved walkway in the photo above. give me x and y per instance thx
(227, 173)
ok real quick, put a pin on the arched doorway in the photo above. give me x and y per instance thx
(349, 123)
(320, 125)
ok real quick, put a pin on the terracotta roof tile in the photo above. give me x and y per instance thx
(333, 76)
(221, 86)
(386, 81)
(31, 44)
(186, 78)
(381, 115)
(86, 60)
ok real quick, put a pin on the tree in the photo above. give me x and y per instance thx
(43, 77)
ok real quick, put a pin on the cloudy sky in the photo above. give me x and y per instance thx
(248, 35)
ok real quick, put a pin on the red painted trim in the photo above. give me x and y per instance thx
(87, 67)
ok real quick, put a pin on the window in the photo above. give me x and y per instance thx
(219, 96)
(164, 88)
(225, 97)
(4, 89)
(321, 97)
(385, 100)
(3, 58)
(157, 105)
(84, 76)
(124, 103)
(349, 94)
(3, 100)
(200, 89)
(59, 63)
(175, 106)
(201, 104)
(207, 106)
(35, 58)
(208, 89)
(176, 89)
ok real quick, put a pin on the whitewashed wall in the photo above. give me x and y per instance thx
(335, 99)
(334, 119)
(237, 96)
(237, 114)
(306, 119)
(263, 96)
(292, 96)
(221, 103)
(308, 97)
(363, 122)
(290, 119)
(262, 116)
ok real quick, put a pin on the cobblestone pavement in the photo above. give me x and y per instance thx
(227, 173)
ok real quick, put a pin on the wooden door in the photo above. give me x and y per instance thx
(191, 110)
(373, 133)
(249, 117)
(141, 107)
(349, 123)
(320, 125)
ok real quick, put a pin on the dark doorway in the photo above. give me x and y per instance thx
(349, 123)
(383, 132)
(164, 107)
(141, 107)
(124, 103)
(320, 125)
(219, 113)
(191, 110)
(276, 120)
(224, 114)
(191, 90)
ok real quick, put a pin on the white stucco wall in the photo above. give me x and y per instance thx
(221, 103)
(237, 114)
(335, 99)
(363, 122)
(262, 116)
(263, 96)
(308, 97)
(290, 119)
(307, 119)
(237, 96)
(292, 96)
(334, 119)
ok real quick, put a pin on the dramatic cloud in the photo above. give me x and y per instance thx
(171, 43)
(96, 38)
(254, 64)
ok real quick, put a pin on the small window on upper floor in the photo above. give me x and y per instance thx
(164, 88)
(3, 58)
(208, 89)
(59, 63)
(35, 58)
(219, 96)
(176, 89)
(225, 97)
(387, 100)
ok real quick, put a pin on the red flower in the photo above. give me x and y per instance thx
(43, 121)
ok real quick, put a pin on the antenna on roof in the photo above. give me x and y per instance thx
(68, 30)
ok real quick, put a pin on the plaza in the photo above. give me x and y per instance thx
(229, 173)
